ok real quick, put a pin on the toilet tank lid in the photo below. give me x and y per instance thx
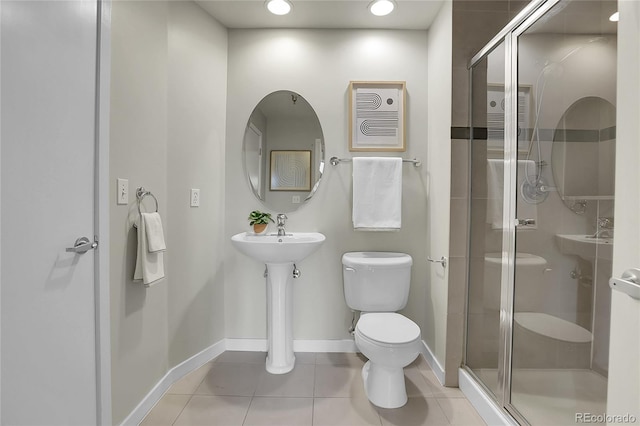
(376, 258)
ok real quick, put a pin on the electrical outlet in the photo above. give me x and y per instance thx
(195, 197)
(122, 196)
(295, 199)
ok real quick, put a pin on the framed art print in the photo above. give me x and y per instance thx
(377, 116)
(290, 171)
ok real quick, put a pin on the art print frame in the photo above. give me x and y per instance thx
(377, 111)
(290, 170)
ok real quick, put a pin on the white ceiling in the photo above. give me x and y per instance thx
(410, 14)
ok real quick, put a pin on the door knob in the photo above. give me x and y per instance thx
(82, 245)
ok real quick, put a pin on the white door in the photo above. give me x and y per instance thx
(48, 105)
(624, 355)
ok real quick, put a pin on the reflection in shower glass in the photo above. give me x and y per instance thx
(566, 147)
(487, 157)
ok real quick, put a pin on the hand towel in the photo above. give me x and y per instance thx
(155, 235)
(377, 193)
(149, 266)
(495, 190)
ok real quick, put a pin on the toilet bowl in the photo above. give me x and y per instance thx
(377, 284)
(390, 342)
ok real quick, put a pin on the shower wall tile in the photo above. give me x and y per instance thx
(457, 285)
(516, 6)
(459, 168)
(458, 232)
(472, 30)
(455, 335)
(460, 96)
(474, 24)
(482, 6)
(479, 169)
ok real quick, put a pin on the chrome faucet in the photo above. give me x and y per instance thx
(281, 218)
(604, 228)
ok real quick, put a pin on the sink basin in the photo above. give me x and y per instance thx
(586, 246)
(290, 248)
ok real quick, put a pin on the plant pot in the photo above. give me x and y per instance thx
(260, 228)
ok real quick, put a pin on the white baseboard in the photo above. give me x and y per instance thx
(201, 358)
(172, 376)
(433, 362)
(483, 403)
(249, 345)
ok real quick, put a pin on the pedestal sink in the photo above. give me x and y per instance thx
(279, 254)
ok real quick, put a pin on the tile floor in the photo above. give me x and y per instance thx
(323, 389)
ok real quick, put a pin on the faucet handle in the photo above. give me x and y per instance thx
(281, 218)
(605, 222)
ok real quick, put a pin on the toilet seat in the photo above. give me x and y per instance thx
(387, 328)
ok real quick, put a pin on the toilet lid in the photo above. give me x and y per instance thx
(388, 327)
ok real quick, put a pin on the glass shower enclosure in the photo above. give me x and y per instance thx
(541, 211)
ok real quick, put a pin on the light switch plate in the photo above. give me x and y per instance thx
(295, 199)
(122, 195)
(195, 197)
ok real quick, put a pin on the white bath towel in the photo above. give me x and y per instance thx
(155, 234)
(495, 190)
(377, 193)
(149, 266)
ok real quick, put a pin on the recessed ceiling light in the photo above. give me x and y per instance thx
(279, 7)
(615, 17)
(382, 7)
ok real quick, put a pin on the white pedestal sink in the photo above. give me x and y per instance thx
(279, 254)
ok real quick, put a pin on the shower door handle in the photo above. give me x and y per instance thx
(525, 222)
(628, 283)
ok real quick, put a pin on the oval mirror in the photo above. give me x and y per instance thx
(584, 150)
(283, 151)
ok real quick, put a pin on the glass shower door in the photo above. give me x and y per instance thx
(483, 353)
(563, 198)
(541, 215)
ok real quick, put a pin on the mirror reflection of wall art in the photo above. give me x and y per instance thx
(290, 171)
(495, 116)
(376, 116)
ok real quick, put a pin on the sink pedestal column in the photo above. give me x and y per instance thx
(280, 358)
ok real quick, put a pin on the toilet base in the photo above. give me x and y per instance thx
(384, 386)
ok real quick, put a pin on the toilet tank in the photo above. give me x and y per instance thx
(376, 281)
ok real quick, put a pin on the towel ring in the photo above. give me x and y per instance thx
(140, 194)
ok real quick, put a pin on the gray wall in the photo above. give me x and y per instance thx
(173, 105)
(318, 64)
(167, 132)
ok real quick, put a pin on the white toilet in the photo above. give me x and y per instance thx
(377, 284)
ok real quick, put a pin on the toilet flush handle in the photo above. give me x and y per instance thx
(347, 268)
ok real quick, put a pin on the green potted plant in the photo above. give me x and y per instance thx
(259, 221)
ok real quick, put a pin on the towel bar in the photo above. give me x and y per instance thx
(335, 161)
(140, 194)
